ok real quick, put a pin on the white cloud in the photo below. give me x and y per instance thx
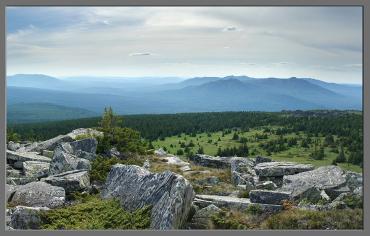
(140, 54)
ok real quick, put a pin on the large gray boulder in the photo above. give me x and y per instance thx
(71, 181)
(269, 196)
(232, 203)
(325, 178)
(38, 194)
(35, 169)
(14, 157)
(84, 148)
(169, 194)
(51, 144)
(85, 132)
(64, 161)
(11, 172)
(9, 191)
(274, 169)
(24, 217)
(242, 172)
(210, 161)
(202, 219)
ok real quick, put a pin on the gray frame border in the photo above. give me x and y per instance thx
(366, 101)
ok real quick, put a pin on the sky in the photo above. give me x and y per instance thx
(312, 42)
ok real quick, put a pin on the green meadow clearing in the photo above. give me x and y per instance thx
(211, 142)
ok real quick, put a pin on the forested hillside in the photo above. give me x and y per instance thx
(345, 126)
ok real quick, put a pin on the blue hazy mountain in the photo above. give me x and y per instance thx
(34, 81)
(38, 112)
(231, 93)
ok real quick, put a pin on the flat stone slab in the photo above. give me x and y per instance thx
(20, 180)
(71, 181)
(322, 178)
(50, 144)
(35, 169)
(274, 169)
(211, 161)
(269, 196)
(233, 203)
(25, 156)
(174, 160)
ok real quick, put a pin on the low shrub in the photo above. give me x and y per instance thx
(353, 201)
(93, 213)
(307, 219)
(254, 209)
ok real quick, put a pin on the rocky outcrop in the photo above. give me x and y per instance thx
(38, 194)
(71, 181)
(269, 196)
(232, 203)
(63, 160)
(23, 217)
(169, 194)
(13, 157)
(328, 178)
(202, 219)
(26, 147)
(85, 132)
(242, 172)
(210, 161)
(9, 191)
(277, 169)
(12, 146)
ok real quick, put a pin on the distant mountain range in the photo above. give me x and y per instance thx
(157, 95)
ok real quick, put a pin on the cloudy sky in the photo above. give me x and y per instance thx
(318, 42)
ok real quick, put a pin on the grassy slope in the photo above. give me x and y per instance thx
(295, 153)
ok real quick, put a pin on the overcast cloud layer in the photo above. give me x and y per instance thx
(317, 42)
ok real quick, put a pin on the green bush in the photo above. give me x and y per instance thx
(126, 140)
(101, 166)
(254, 209)
(353, 201)
(93, 213)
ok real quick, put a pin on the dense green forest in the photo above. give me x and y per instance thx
(345, 126)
